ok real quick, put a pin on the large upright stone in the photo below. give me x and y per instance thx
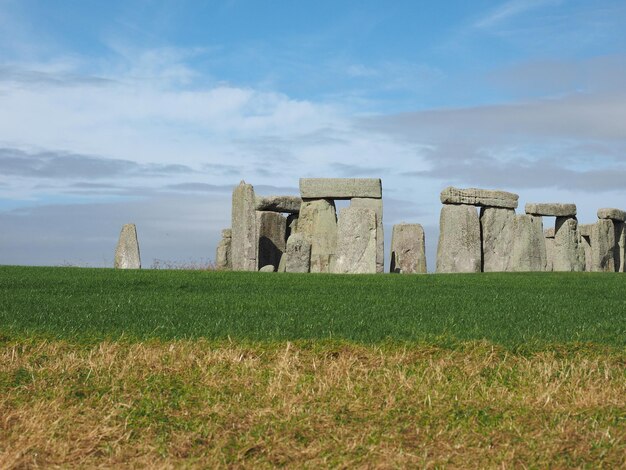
(243, 225)
(497, 227)
(603, 246)
(459, 248)
(618, 217)
(408, 249)
(529, 247)
(356, 241)
(548, 234)
(377, 206)
(479, 197)
(271, 230)
(286, 204)
(318, 223)
(551, 209)
(569, 251)
(127, 250)
(340, 188)
(298, 254)
(223, 253)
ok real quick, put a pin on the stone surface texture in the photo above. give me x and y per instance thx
(243, 226)
(613, 214)
(408, 249)
(529, 247)
(340, 188)
(268, 268)
(479, 197)
(620, 246)
(585, 241)
(603, 246)
(551, 209)
(569, 251)
(497, 228)
(548, 232)
(298, 254)
(127, 250)
(459, 247)
(318, 223)
(549, 253)
(286, 204)
(223, 251)
(585, 229)
(271, 229)
(377, 206)
(356, 242)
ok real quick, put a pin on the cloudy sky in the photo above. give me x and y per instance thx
(151, 111)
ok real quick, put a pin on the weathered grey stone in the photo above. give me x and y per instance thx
(223, 251)
(271, 230)
(603, 246)
(268, 268)
(340, 188)
(459, 248)
(497, 227)
(127, 250)
(620, 246)
(529, 246)
(549, 253)
(282, 265)
(408, 249)
(613, 214)
(286, 204)
(356, 241)
(243, 225)
(585, 241)
(549, 232)
(298, 254)
(318, 223)
(551, 209)
(377, 206)
(585, 229)
(479, 197)
(569, 250)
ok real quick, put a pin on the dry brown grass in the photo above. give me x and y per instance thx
(200, 404)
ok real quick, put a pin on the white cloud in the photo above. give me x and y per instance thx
(511, 9)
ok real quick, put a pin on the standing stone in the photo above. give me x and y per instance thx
(298, 254)
(497, 228)
(603, 246)
(529, 247)
(585, 240)
(377, 206)
(356, 241)
(620, 246)
(569, 251)
(292, 224)
(243, 225)
(271, 228)
(127, 250)
(223, 253)
(549, 239)
(408, 249)
(318, 223)
(459, 248)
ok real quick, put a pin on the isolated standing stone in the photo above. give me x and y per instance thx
(243, 225)
(551, 209)
(408, 249)
(603, 246)
(479, 197)
(459, 248)
(340, 188)
(529, 248)
(127, 250)
(223, 253)
(498, 227)
(356, 241)
(569, 251)
(271, 228)
(549, 239)
(298, 254)
(318, 223)
(377, 206)
(286, 204)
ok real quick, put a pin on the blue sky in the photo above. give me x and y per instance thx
(150, 111)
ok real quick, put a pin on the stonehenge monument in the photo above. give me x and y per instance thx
(127, 250)
(479, 231)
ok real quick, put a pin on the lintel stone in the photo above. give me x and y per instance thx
(613, 214)
(340, 188)
(286, 204)
(551, 209)
(479, 197)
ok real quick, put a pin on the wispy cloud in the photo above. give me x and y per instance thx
(511, 9)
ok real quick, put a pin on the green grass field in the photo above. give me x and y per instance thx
(199, 369)
(514, 310)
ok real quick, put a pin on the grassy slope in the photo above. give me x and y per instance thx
(510, 309)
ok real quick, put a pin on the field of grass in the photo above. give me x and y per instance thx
(166, 369)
